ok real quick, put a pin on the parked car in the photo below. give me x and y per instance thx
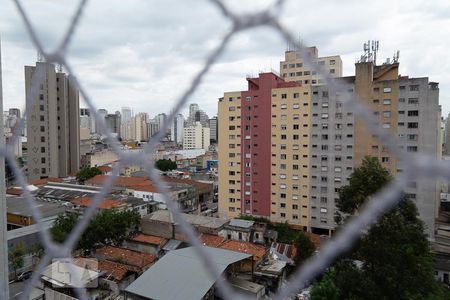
(24, 275)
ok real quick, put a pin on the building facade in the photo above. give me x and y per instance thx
(176, 129)
(52, 124)
(294, 174)
(213, 128)
(196, 137)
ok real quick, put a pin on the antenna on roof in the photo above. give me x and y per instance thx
(396, 57)
(40, 57)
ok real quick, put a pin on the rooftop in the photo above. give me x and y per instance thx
(19, 206)
(241, 223)
(172, 276)
(126, 256)
(211, 240)
(196, 220)
(104, 204)
(245, 247)
(116, 270)
(148, 239)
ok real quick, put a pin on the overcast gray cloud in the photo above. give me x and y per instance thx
(144, 53)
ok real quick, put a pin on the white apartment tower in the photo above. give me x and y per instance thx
(196, 137)
(53, 124)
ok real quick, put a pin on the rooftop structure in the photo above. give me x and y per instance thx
(181, 274)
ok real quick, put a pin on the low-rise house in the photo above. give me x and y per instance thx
(161, 223)
(244, 230)
(117, 276)
(146, 243)
(126, 256)
(258, 252)
(211, 240)
(80, 204)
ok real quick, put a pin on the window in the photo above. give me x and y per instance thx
(386, 125)
(332, 71)
(387, 101)
(43, 139)
(299, 65)
(283, 96)
(283, 106)
(42, 128)
(385, 159)
(41, 107)
(387, 90)
(42, 149)
(295, 126)
(324, 116)
(386, 114)
(414, 87)
(413, 100)
(231, 108)
(413, 113)
(43, 160)
(413, 125)
(411, 148)
(296, 95)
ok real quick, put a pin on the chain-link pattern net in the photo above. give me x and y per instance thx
(418, 165)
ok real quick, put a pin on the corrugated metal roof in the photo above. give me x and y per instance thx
(181, 274)
(241, 223)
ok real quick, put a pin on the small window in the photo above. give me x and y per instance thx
(387, 90)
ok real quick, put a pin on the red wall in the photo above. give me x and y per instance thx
(260, 91)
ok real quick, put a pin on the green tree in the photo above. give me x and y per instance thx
(305, 248)
(87, 173)
(108, 227)
(394, 255)
(63, 226)
(165, 165)
(16, 257)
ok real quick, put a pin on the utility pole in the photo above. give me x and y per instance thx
(4, 272)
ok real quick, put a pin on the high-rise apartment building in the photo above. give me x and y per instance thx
(294, 173)
(126, 114)
(295, 66)
(113, 122)
(213, 128)
(196, 137)
(52, 124)
(101, 115)
(176, 130)
(197, 115)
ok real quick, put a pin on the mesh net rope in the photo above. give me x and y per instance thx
(418, 165)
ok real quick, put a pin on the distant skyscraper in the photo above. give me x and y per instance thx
(52, 124)
(113, 122)
(213, 128)
(101, 114)
(197, 115)
(126, 114)
(176, 130)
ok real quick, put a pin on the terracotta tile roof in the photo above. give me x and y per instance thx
(148, 239)
(14, 191)
(145, 188)
(211, 240)
(45, 181)
(122, 181)
(116, 270)
(126, 256)
(105, 169)
(256, 250)
(105, 204)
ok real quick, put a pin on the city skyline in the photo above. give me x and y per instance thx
(119, 67)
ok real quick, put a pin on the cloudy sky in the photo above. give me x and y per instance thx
(144, 53)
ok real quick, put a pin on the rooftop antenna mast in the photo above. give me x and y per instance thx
(396, 57)
(40, 57)
(375, 47)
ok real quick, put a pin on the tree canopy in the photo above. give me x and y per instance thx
(165, 165)
(108, 227)
(392, 260)
(87, 173)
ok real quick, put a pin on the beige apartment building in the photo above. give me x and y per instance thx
(53, 125)
(296, 66)
(196, 137)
